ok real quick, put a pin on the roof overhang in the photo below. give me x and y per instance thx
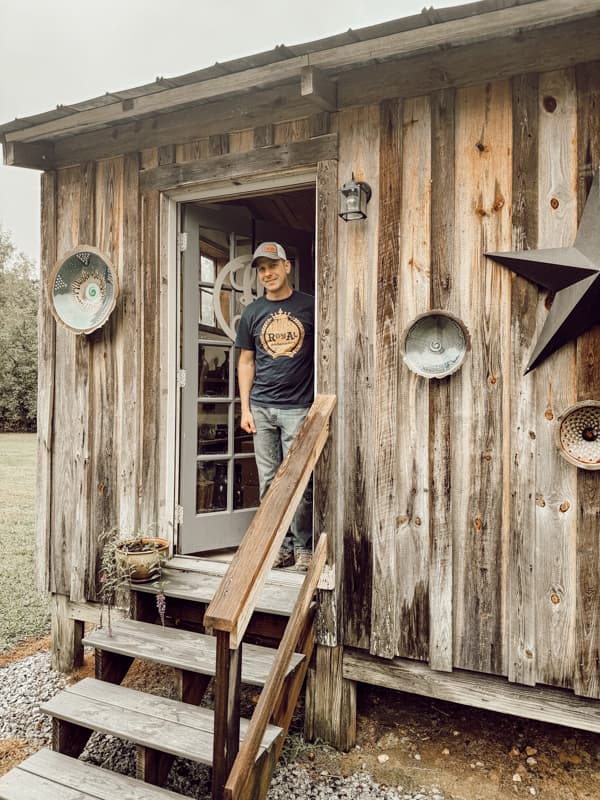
(449, 47)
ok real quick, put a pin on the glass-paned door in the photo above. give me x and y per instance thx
(218, 477)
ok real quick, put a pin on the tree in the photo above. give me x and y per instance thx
(18, 338)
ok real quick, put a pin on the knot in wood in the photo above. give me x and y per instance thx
(539, 501)
(555, 598)
(417, 520)
(550, 104)
(499, 204)
(549, 414)
(554, 202)
(564, 506)
(477, 523)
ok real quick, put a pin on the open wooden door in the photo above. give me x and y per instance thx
(219, 490)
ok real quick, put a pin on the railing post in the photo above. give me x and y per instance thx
(227, 712)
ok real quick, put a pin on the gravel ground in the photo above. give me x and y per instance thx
(27, 683)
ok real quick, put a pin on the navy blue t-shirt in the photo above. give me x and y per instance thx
(281, 334)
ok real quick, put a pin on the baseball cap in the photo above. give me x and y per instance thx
(271, 250)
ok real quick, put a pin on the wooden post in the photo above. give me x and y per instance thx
(227, 711)
(66, 635)
(330, 701)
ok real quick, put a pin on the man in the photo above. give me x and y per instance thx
(275, 375)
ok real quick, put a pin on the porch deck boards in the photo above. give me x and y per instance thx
(159, 723)
(197, 580)
(54, 776)
(181, 649)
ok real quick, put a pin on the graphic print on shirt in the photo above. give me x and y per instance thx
(282, 334)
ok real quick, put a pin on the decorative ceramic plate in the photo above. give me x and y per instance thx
(83, 289)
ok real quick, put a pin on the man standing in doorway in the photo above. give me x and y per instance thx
(275, 374)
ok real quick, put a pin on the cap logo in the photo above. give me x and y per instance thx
(269, 248)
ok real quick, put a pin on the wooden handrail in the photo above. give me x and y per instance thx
(233, 604)
(244, 763)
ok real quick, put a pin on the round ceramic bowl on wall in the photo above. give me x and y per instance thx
(578, 434)
(435, 344)
(83, 289)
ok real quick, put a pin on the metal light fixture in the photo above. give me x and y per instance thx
(354, 196)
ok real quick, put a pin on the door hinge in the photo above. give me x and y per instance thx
(179, 515)
(182, 242)
(181, 378)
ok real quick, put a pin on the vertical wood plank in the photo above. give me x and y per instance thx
(357, 243)
(587, 633)
(218, 144)
(191, 151)
(524, 331)
(481, 298)
(105, 397)
(241, 141)
(294, 130)
(148, 281)
(46, 379)
(263, 135)
(411, 414)
(67, 420)
(440, 453)
(81, 534)
(384, 621)
(555, 381)
(327, 481)
(127, 356)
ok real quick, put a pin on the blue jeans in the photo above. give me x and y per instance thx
(276, 429)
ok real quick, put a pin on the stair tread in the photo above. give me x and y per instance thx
(277, 596)
(163, 724)
(54, 776)
(181, 649)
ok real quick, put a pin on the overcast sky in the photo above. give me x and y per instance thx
(64, 51)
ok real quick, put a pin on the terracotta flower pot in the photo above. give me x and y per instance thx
(142, 558)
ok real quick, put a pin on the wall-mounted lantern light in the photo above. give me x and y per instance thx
(354, 197)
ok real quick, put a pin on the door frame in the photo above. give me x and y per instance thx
(170, 292)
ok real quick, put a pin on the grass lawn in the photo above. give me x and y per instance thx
(23, 612)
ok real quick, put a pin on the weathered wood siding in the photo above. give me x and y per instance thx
(469, 542)
(102, 432)
(460, 536)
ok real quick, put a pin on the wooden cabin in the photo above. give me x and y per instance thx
(463, 548)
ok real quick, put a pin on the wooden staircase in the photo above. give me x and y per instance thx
(238, 604)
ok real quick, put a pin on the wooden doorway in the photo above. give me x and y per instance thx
(218, 489)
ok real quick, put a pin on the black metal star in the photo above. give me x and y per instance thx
(572, 272)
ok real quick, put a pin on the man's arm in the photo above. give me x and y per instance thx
(246, 371)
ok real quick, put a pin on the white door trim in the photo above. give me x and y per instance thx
(170, 344)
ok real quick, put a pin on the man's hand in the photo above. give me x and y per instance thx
(247, 422)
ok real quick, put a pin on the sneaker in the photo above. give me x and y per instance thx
(303, 560)
(283, 559)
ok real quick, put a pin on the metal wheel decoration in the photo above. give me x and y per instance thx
(242, 278)
(83, 289)
(434, 344)
(578, 434)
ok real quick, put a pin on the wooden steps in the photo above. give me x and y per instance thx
(153, 722)
(184, 650)
(47, 775)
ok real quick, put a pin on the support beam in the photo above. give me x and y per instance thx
(39, 155)
(330, 700)
(66, 636)
(238, 165)
(493, 693)
(316, 86)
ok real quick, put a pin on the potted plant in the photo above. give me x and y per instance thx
(126, 561)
